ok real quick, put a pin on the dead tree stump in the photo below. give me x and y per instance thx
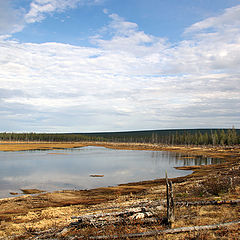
(170, 202)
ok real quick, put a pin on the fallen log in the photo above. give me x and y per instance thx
(116, 222)
(136, 213)
(179, 203)
(213, 202)
(129, 212)
(124, 217)
(168, 231)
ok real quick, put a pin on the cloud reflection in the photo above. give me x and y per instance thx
(38, 169)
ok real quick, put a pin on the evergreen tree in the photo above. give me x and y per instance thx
(222, 137)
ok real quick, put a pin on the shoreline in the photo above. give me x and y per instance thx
(224, 153)
(207, 151)
(204, 150)
(17, 212)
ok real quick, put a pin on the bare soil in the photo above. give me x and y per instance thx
(48, 215)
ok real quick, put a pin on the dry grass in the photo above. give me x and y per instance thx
(23, 146)
(24, 217)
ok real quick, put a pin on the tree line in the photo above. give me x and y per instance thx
(47, 137)
(215, 137)
(222, 137)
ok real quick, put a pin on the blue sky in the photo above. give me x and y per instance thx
(165, 18)
(115, 65)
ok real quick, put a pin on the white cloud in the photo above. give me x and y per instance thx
(40, 8)
(11, 20)
(126, 38)
(130, 81)
(229, 19)
(14, 19)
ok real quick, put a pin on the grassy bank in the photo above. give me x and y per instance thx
(48, 214)
(25, 146)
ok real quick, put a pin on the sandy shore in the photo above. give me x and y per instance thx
(47, 214)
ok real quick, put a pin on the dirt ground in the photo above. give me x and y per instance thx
(48, 215)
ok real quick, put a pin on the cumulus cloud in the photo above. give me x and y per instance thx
(127, 38)
(130, 80)
(39, 8)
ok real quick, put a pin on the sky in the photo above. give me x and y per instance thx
(118, 65)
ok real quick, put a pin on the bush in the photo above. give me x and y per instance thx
(214, 186)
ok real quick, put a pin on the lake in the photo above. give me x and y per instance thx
(51, 170)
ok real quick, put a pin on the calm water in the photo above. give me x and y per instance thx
(70, 169)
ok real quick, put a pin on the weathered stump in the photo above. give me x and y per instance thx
(170, 202)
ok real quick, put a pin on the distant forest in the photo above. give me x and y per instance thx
(215, 137)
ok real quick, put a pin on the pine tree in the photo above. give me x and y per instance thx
(234, 136)
(222, 137)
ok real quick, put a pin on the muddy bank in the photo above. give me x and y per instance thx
(24, 215)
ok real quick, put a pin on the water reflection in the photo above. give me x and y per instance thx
(183, 160)
(70, 168)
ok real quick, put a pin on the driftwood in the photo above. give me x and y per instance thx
(137, 212)
(168, 231)
(129, 212)
(125, 217)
